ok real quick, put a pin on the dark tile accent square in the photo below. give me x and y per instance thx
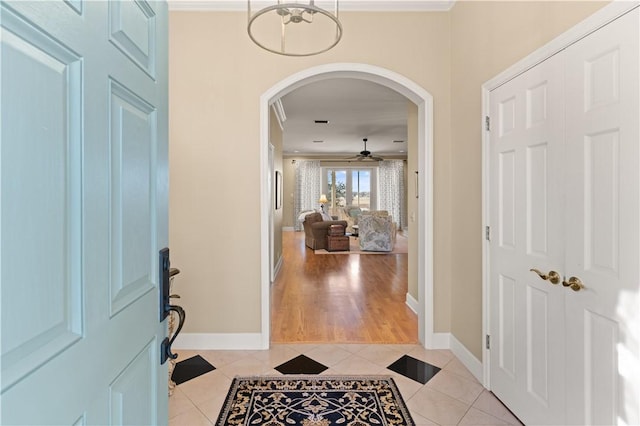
(414, 369)
(301, 365)
(190, 368)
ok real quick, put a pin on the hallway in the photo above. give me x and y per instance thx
(340, 298)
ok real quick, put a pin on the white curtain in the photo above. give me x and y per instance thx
(391, 193)
(308, 183)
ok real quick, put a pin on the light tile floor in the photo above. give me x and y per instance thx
(451, 397)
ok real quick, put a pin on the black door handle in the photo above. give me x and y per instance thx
(166, 273)
(165, 347)
(165, 282)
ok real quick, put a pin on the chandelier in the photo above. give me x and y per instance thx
(294, 28)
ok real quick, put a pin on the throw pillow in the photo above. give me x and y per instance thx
(326, 216)
(355, 212)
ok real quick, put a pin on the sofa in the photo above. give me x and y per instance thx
(352, 215)
(315, 230)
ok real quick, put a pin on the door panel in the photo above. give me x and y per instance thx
(507, 309)
(132, 183)
(600, 337)
(601, 192)
(507, 199)
(132, 28)
(537, 198)
(40, 197)
(526, 195)
(537, 305)
(129, 397)
(83, 211)
(603, 178)
(580, 179)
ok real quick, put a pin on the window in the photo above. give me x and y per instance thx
(361, 189)
(350, 186)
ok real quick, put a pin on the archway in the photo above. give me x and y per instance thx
(424, 101)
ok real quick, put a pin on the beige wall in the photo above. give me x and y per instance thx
(486, 38)
(216, 78)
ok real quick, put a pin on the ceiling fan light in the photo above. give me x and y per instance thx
(366, 155)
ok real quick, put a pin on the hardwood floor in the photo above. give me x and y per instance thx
(340, 298)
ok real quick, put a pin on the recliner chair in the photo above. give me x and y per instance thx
(315, 230)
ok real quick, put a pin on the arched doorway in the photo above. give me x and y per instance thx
(424, 102)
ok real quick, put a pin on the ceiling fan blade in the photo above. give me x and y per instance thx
(366, 155)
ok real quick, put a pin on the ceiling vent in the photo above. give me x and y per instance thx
(321, 121)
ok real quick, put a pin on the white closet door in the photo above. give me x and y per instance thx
(527, 321)
(602, 216)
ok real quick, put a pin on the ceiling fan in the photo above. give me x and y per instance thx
(366, 155)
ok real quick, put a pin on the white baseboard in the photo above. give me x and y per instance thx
(276, 269)
(219, 341)
(412, 303)
(288, 228)
(467, 358)
(438, 341)
(434, 340)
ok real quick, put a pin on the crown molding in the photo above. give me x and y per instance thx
(278, 110)
(345, 5)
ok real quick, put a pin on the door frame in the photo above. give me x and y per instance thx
(270, 187)
(424, 101)
(591, 24)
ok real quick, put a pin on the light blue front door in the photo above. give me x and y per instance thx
(84, 196)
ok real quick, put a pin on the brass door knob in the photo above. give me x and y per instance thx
(553, 277)
(574, 283)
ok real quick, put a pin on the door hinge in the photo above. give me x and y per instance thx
(487, 233)
(487, 123)
(487, 343)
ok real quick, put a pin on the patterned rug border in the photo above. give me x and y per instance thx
(228, 404)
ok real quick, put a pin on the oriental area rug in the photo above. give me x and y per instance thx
(313, 400)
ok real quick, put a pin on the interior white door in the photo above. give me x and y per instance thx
(83, 211)
(602, 221)
(527, 233)
(569, 353)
